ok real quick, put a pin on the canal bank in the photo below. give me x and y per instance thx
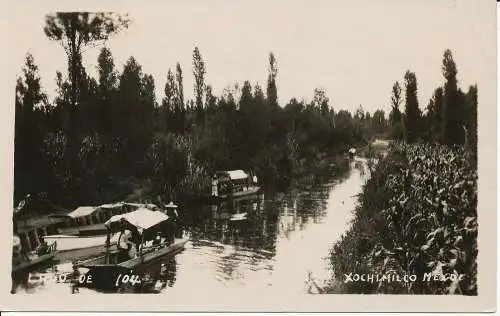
(416, 217)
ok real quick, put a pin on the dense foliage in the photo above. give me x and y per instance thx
(104, 138)
(417, 215)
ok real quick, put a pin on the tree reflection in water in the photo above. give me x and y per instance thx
(236, 243)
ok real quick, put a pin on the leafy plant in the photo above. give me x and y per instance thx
(417, 216)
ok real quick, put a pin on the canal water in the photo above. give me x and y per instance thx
(267, 243)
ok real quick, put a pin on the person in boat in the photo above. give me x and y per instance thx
(157, 239)
(174, 223)
(171, 223)
(123, 239)
(43, 248)
(126, 242)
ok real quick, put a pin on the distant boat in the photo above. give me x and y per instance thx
(352, 152)
(233, 184)
(238, 217)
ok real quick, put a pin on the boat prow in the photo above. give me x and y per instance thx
(33, 262)
(149, 254)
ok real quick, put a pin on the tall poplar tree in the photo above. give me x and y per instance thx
(453, 132)
(180, 87)
(435, 115)
(199, 72)
(272, 91)
(412, 111)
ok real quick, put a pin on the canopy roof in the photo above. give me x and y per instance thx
(16, 241)
(141, 205)
(82, 211)
(112, 206)
(237, 174)
(234, 174)
(141, 218)
(171, 205)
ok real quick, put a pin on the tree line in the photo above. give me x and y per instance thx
(102, 138)
(450, 116)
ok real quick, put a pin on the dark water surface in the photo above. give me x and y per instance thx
(271, 242)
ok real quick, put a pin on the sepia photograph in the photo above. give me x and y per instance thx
(273, 151)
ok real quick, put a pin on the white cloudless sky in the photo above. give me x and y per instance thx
(355, 50)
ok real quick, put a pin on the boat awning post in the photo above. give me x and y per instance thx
(108, 242)
(141, 246)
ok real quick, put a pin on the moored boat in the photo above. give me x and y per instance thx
(85, 226)
(89, 220)
(68, 242)
(34, 261)
(23, 262)
(238, 217)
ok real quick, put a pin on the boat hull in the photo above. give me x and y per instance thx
(69, 242)
(239, 194)
(80, 254)
(29, 265)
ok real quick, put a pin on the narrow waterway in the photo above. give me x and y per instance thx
(267, 243)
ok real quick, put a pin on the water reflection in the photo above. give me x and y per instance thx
(155, 278)
(265, 241)
(243, 223)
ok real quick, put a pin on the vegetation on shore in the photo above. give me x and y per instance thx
(107, 138)
(417, 214)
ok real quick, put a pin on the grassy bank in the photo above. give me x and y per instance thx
(416, 216)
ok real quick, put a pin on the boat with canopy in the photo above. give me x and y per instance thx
(233, 184)
(140, 229)
(86, 226)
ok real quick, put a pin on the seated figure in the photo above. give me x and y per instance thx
(43, 248)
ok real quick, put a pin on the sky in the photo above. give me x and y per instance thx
(355, 50)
